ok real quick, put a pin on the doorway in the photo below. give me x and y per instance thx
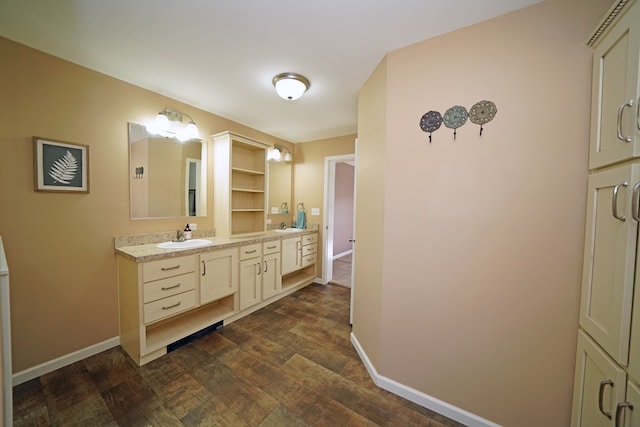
(339, 204)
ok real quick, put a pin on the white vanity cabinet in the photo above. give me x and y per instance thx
(291, 254)
(615, 117)
(218, 274)
(161, 300)
(165, 296)
(271, 275)
(299, 259)
(250, 275)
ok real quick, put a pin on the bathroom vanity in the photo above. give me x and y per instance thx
(166, 295)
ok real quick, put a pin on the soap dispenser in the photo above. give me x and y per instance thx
(187, 233)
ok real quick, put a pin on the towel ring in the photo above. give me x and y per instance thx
(300, 208)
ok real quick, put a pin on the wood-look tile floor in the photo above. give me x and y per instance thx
(288, 364)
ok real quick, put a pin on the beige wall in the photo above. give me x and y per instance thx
(60, 246)
(482, 236)
(371, 170)
(308, 177)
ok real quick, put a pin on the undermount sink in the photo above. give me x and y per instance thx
(187, 244)
(287, 230)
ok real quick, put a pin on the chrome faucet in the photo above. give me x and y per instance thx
(283, 225)
(179, 236)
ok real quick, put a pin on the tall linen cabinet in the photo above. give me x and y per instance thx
(607, 374)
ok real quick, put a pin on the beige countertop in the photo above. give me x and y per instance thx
(148, 251)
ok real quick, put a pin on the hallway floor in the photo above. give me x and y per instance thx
(342, 271)
(288, 364)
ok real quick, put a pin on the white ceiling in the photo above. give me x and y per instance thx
(221, 55)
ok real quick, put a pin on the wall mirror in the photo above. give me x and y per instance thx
(279, 188)
(167, 178)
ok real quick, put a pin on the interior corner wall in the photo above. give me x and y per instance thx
(369, 225)
(475, 301)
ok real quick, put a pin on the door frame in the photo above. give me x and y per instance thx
(329, 210)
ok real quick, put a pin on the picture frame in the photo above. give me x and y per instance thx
(60, 166)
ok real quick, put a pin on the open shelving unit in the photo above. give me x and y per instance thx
(240, 185)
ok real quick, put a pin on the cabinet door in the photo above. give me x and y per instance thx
(218, 274)
(291, 256)
(634, 343)
(614, 111)
(609, 259)
(599, 385)
(250, 282)
(271, 277)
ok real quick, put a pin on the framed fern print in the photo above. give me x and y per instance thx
(60, 166)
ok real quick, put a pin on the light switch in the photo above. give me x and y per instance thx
(274, 210)
(315, 211)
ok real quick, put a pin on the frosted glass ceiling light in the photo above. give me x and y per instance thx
(290, 86)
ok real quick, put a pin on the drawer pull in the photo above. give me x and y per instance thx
(170, 287)
(170, 268)
(266, 268)
(614, 202)
(621, 137)
(259, 269)
(272, 247)
(603, 384)
(250, 252)
(172, 306)
(204, 268)
(619, 410)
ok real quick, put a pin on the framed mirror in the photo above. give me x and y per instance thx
(280, 189)
(167, 178)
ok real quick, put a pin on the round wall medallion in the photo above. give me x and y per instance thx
(430, 122)
(455, 117)
(482, 112)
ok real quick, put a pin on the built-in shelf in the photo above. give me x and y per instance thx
(159, 335)
(240, 185)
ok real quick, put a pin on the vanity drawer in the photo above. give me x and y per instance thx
(250, 251)
(271, 247)
(309, 238)
(154, 270)
(309, 259)
(163, 288)
(169, 306)
(309, 249)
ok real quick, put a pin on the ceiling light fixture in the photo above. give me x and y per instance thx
(290, 86)
(168, 123)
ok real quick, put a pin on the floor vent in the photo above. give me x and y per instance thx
(194, 336)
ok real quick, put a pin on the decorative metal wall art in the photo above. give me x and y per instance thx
(455, 117)
(481, 113)
(430, 122)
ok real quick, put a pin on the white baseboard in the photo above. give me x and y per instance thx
(345, 253)
(62, 361)
(419, 398)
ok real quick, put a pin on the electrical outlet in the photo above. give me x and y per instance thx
(275, 210)
(315, 211)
